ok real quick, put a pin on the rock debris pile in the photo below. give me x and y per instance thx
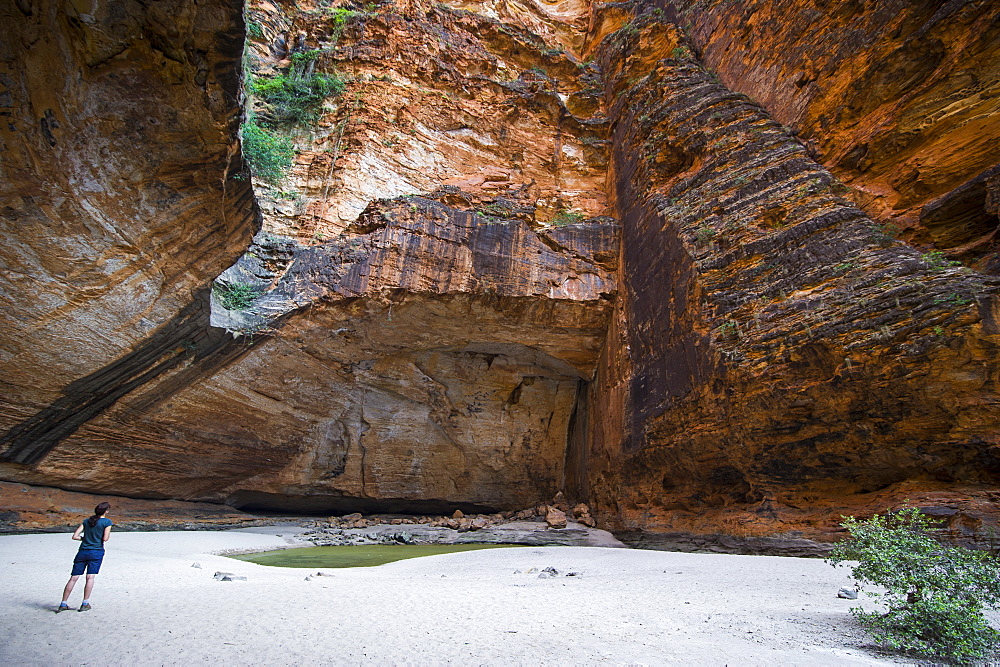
(548, 523)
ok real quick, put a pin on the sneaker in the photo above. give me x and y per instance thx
(62, 607)
(85, 607)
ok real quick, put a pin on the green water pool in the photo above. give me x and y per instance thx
(357, 556)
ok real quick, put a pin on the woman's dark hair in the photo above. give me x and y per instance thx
(99, 511)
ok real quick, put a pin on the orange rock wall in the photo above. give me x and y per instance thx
(119, 204)
(529, 247)
(775, 360)
(425, 319)
(899, 100)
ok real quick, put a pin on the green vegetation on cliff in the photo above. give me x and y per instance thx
(236, 296)
(295, 97)
(269, 153)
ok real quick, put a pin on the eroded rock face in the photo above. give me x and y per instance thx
(899, 100)
(403, 384)
(499, 268)
(119, 204)
(493, 103)
(395, 354)
(798, 359)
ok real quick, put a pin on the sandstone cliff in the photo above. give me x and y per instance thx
(899, 100)
(801, 359)
(691, 262)
(119, 202)
(397, 352)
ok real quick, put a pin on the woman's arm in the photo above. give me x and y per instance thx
(78, 535)
(107, 534)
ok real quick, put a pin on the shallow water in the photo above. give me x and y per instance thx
(357, 556)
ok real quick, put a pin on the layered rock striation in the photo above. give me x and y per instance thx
(774, 354)
(411, 352)
(899, 100)
(119, 202)
(520, 248)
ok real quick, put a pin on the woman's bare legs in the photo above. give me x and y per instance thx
(89, 586)
(71, 583)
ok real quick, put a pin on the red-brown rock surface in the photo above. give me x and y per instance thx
(528, 247)
(118, 204)
(796, 357)
(408, 353)
(900, 100)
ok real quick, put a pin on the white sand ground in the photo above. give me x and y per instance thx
(628, 607)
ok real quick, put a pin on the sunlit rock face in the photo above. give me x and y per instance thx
(118, 204)
(899, 100)
(775, 359)
(528, 247)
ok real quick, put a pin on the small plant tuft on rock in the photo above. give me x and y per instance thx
(937, 260)
(935, 594)
(236, 296)
(704, 235)
(566, 217)
(884, 233)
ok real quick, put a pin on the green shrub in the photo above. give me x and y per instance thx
(935, 594)
(236, 296)
(295, 97)
(884, 233)
(340, 19)
(269, 154)
(704, 235)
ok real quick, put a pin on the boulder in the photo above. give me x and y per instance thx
(560, 502)
(556, 518)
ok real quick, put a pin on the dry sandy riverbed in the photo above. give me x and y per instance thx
(627, 606)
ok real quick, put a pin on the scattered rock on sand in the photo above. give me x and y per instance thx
(228, 576)
(555, 517)
(197, 565)
(847, 594)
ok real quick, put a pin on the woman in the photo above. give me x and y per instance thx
(92, 534)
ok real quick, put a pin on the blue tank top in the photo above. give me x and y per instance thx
(93, 536)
